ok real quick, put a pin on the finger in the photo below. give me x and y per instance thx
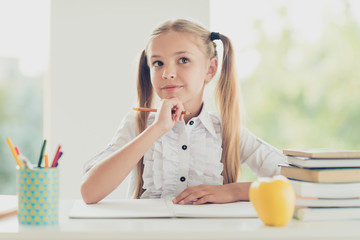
(192, 197)
(166, 106)
(181, 196)
(178, 113)
(187, 192)
(179, 109)
(204, 199)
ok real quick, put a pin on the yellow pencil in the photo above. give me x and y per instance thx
(155, 110)
(46, 160)
(14, 152)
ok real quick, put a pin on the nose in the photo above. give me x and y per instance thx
(169, 73)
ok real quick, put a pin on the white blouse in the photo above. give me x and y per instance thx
(189, 155)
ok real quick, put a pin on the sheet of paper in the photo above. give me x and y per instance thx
(228, 210)
(123, 208)
(156, 208)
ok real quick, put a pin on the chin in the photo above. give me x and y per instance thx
(168, 96)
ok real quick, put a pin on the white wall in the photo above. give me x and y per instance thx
(94, 47)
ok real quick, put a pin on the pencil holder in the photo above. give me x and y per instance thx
(38, 193)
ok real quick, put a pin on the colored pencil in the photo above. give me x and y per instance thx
(42, 153)
(17, 151)
(155, 110)
(14, 152)
(57, 160)
(56, 157)
(46, 160)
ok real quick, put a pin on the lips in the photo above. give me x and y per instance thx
(171, 87)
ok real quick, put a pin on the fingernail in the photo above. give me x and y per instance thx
(181, 202)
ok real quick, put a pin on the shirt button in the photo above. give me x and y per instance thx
(184, 147)
(182, 179)
(191, 122)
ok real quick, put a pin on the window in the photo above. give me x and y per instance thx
(298, 63)
(23, 63)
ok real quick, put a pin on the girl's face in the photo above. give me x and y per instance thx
(179, 68)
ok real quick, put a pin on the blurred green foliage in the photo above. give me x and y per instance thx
(21, 107)
(307, 94)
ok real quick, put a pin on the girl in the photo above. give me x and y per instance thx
(194, 158)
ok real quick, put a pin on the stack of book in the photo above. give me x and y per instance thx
(326, 182)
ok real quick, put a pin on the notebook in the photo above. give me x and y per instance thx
(327, 202)
(8, 205)
(326, 190)
(321, 174)
(322, 153)
(327, 214)
(159, 208)
(306, 162)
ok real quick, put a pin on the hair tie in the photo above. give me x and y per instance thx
(214, 36)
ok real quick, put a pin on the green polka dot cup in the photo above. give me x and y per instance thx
(38, 192)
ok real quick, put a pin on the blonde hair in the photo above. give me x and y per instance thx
(227, 96)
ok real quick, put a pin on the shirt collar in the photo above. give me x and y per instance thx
(206, 120)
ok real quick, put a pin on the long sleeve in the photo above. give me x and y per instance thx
(124, 134)
(259, 156)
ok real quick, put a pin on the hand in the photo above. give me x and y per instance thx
(165, 119)
(214, 194)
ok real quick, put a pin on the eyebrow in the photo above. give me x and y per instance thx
(176, 53)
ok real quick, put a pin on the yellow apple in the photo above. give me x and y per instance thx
(273, 200)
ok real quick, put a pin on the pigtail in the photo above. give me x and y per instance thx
(145, 97)
(227, 94)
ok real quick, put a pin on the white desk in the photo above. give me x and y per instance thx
(175, 228)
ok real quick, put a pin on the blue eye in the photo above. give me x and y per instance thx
(157, 64)
(183, 60)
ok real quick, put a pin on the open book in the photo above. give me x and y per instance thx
(159, 208)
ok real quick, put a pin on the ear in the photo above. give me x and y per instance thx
(211, 70)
